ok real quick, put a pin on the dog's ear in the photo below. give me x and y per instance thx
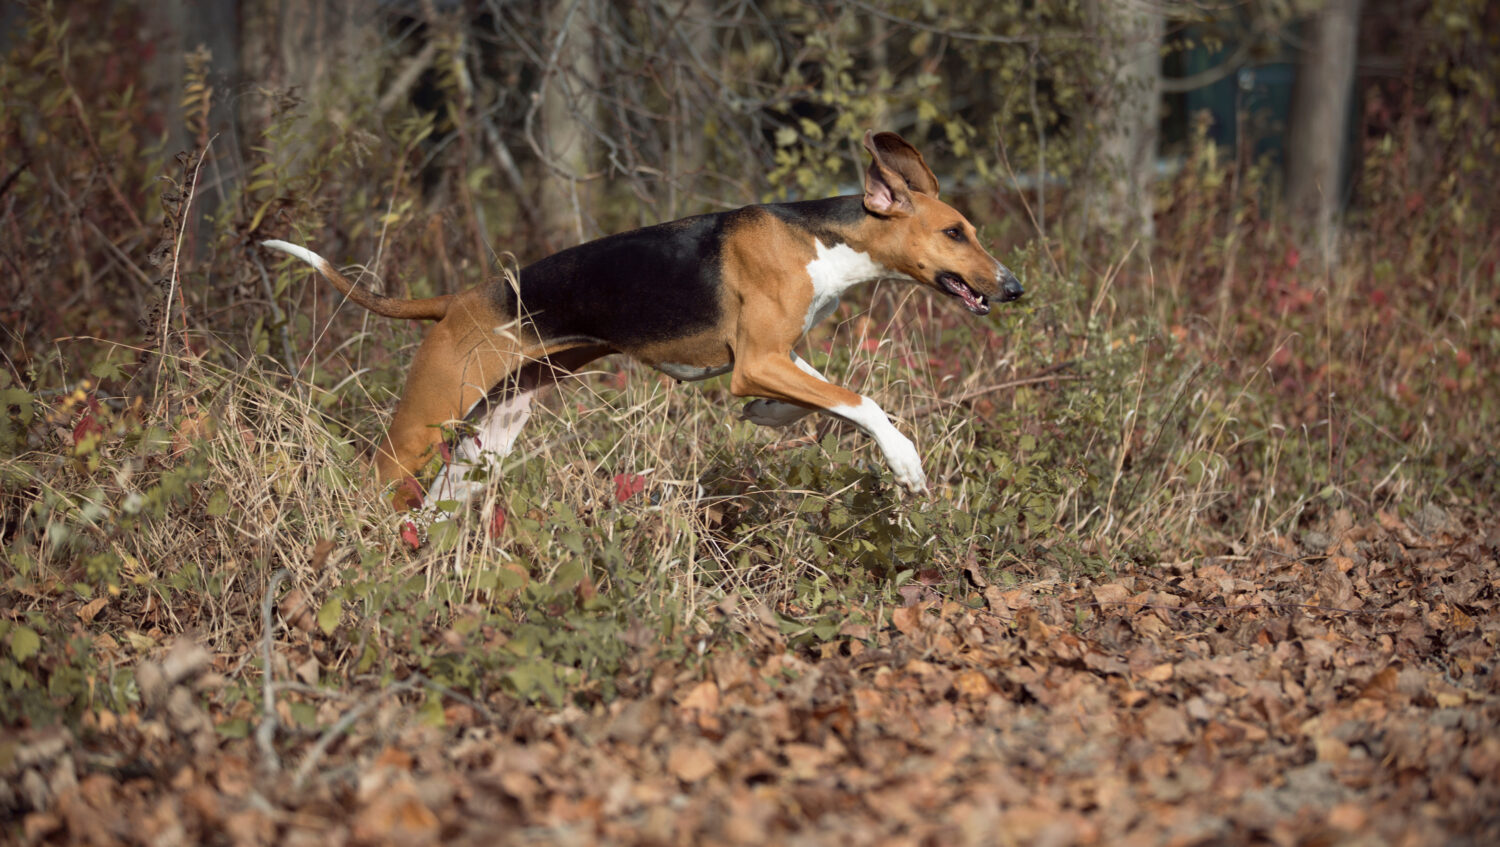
(892, 151)
(886, 192)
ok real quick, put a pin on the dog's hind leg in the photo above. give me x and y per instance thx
(476, 457)
(461, 359)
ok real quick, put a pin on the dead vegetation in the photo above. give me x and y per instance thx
(1210, 555)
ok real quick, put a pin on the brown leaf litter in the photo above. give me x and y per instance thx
(1338, 690)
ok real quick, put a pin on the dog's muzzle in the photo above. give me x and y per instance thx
(1010, 287)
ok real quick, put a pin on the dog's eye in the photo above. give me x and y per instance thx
(954, 233)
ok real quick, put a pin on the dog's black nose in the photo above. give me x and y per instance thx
(1010, 287)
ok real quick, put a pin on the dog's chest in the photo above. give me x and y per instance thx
(834, 271)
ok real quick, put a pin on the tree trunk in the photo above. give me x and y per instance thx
(179, 28)
(1129, 120)
(322, 52)
(568, 111)
(167, 23)
(1317, 149)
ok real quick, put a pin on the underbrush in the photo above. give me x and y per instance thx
(641, 522)
(1188, 401)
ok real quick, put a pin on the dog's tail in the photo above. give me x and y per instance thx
(426, 309)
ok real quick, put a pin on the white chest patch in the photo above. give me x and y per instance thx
(834, 270)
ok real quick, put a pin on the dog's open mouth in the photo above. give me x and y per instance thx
(954, 284)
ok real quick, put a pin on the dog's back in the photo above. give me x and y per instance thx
(639, 287)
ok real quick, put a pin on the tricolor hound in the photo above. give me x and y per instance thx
(730, 292)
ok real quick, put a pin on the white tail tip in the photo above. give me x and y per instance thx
(302, 253)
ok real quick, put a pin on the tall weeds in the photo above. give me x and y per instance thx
(1188, 400)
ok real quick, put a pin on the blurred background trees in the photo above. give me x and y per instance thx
(433, 137)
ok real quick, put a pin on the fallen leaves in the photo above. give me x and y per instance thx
(691, 761)
(1341, 690)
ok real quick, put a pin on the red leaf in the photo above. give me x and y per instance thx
(497, 522)
(88, 422)
(628, 485)
(445, 451)
(1293, 257)
(410, 535)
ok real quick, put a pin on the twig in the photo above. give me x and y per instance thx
(79, 113)
(982, 37)
(1184, 84)
(315, 755)
(1005, 160)
(1044, 375)
(265, 734)
(512, 172)
(120, 256)
(11, 177)
(489, 714)
(550, 70)
(1161, 428)
(791, 444)
(1244, 607)
(407, 78)
(462, 122)
(1041, 149)
(166, 318)
(288, 358)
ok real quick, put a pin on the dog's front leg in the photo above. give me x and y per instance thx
(789, 380)
(763, 412)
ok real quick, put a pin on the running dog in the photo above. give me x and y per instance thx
(730, 292)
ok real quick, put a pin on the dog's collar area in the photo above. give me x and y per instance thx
(954, 285)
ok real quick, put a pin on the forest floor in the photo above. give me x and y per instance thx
(1339, 688)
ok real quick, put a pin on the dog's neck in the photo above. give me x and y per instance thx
(835, 270)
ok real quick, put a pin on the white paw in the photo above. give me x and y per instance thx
(772, 413)
(905, 463)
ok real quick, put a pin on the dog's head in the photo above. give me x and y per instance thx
(933, 244)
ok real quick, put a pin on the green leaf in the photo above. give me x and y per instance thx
(24, 643)
(443, 535)
(430, 712)
(534, 680)
(260, 213)
(329, 614)
(234, 728)
(305, 714)
(570, 574)
(106, 370)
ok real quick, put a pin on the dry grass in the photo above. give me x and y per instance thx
(1184, 401)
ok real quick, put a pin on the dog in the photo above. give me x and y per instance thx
(728, 292)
